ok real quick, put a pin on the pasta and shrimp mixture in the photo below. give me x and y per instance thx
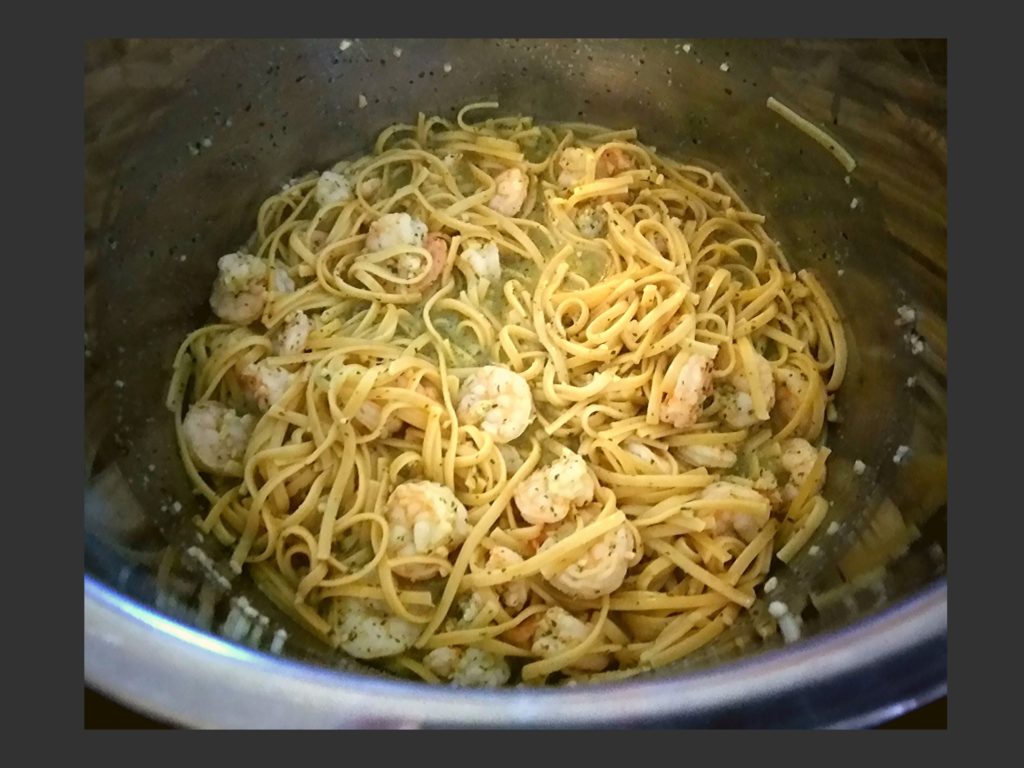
(510, 403)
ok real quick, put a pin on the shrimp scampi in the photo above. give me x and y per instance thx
(548, 494)
(688, 392)
(263, 383)
(426, 519)
(739, 410)
(792, 389)
(366, 629)
(574, 165)
(470, 667)
(558, 632)
(511, 188)
(598, 571)
(217, 436)
(497, 399)
(505, 403)
(240, 290)
(292, 338)
(737, 507)
(515, 593)
(482, 260)
(798, 458)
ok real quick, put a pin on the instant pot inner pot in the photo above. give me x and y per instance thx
(185, 139)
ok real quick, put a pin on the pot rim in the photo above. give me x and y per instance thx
(853, 677)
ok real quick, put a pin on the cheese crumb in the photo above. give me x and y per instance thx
(790, 627)
(183, 257)
(119, 384)
(833, 528)
(859, 467)
(724, 66)
(362, 101)
(854, 203)
(687, 47)
(841, 272)
(345, 45)
(207, 142)
(906, 314)
(901, 452)
(777, 609)
(176, 506)
(447, 67)
(911, 381)
(814, 551)
(846, 179)
(398, 52)
(771, 584)
(831, 412)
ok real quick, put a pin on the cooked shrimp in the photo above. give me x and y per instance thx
(369, 188)
(768, 484)
(443, 661)
(716, 456)
(559, 631)
(598, 571)
(240, 290)
(425, 519)
(510, 194)
(395, 229)
(370, 414)
(550, 493)
(574, 163)
(521, 635)
(683, 405)
(614, 161)
(216, 437)
(367, 630)
(482, 259)
(514, 594)
(291, 339)
(468, 666)
(437, 246)
(591, 221)
(649, 458)
(264, 384)
(798, 457)
(499, 400)
(469, 607)
(332, 188)
(791, 389)
(738, 408)
(744, 520)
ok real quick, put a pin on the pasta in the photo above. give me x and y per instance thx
(509, 402)
(806, 126)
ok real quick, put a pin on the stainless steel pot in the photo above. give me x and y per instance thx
(185, 138)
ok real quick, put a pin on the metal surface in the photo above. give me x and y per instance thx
(184, 139)
(177, 673)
